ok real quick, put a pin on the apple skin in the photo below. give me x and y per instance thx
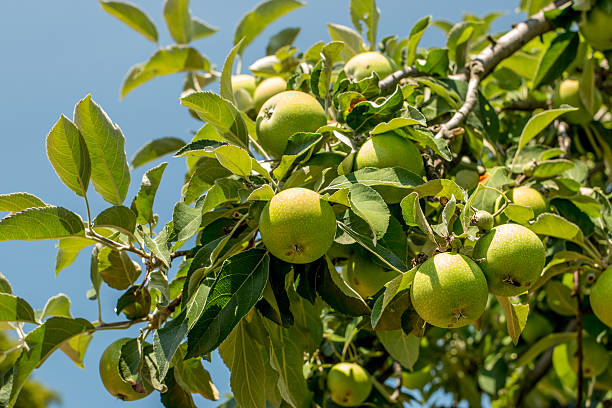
(568, 92)
(109, 373)
(363, 65)
(267, 89)
(483, 220)
(596, 27)
(512, 258)
(349, 384)
(296, 226)
(366, 276)
(283, 115)
(244, 81)
(529, 197)
(601, 297)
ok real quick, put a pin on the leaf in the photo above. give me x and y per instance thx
(155, 149)
(255, 21)
(16, 202)
(544, 344)
(201, 29)
(559, 298)
(110, 173)
(206, 173)
(235, 159)
(299, 147)
(281, 39)
(117, 217)
(414, 216)
(225, 86)
(369, 176)
(159, 246)
(68, 154)
(15, 309)
(42, 341)
(5, 285)
(175, 396)
(41, 223)
(557, 57)
(263, 193)
(519, 213)
(335, 291)
(516, 317)
(244, 360)
(166, 61)
(556, 226)
(368, 12)
(200, 148)
(76, 347)
(117, 269)
(192, 377)
(370, 206)
(457, 41)
(58, 305)
(367, 114)
(440, 188)
(238, 286)
(143, 202)
(133, 16)
(221, 113)
(415, 37)
(353, 44)
(402, 347)
(178, 20)
(397, 286)
(537, 123)
(551, 168)
(587, 89)
(186, 221)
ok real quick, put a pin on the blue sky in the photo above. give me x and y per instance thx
(55, 53)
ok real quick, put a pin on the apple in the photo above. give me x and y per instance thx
(109, 373)
(568, 93)
(363, 65)
(349, 384)
(267, 89)
(529, 197)
(596, 26)
(367, 277)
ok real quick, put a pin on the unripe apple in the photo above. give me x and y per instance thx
(366, 276)
(244, 81)
(594, 357)
(349, 384)
(285, 114)
(449, 290)
(363, 65)
(596, 26)
(109, 373)
(512, 258)
(267, 89)
(569, 93)
(483, 220)
(601, 297)
(296, 226)
(529, 197)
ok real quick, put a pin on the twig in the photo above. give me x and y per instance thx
(397, 370)
(563, 138)
(579, 356)
(525, 105)
(389, 83)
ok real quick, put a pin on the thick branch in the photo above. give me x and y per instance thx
(388, 84)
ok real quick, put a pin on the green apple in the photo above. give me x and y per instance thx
(349, 384)
(594, 357)
(601, 297)
(243, 81)
(529, 197)
(267, 89)
(296, 226)
(363, 65)
(596, 26)
(366, 276)
(569, 93)
(285, 114)
(449, 290)
(512, 258)
(109, 373)
(483, 220)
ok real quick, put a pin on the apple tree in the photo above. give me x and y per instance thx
(365, 222)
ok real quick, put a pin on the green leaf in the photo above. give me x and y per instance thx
(441, 188)
(16, 309)
(558, 56)
(155, 149)
(42, 341)
(178, 20)
(192, 377)
(206, 173)
(415, 37)
(369, 206)
(238, 286)
(223, 191)
(133, 16)
(175, 396)
(395, 289)
(551, 168)
(365, 115)
(255, 21)
(436, 62)
(395, 123)
(457, 41)
(281, 39)
(369, 176)
(426, 138)
(587, 87)
(263, 193)
(299, 147)
(402, 347)
(516, 317)
(235, 159)
(544, 344)
(159, 246)
(41, 223)
(201, 29)
(186, 221)
(58, 305)
(68, 154)
(559, 298)
(225, 86)
(200, 148)
(353, 44)
(76, 347)
(166, 61)
(117, 217)
(335, 291)
(143, 202)
(561, 364)
(5, 285)
(368, 12)
(414, 216)
(117, 269)
(519, 213)
(110, 173)
(221, 113)
(556, 226)
(16, 202)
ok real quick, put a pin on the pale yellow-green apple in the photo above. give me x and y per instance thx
(366, 276)
(529, 197)
(243, 86)
(596, 26)
(267, 89)
(537, 326)
(568, 93)
(297, 226)
(111, 378)
(363, 65)
(467, 179)
(285, 114)
(512, 258)
(449, 290)
(601, 297)
(594, 356)
(349, 384)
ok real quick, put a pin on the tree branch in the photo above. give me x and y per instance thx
(580, 355)
(389, 83)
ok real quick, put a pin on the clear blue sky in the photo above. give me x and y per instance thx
(56, 52)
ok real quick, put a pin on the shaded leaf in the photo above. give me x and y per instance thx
(15, 309)
(155, 149)
(58, 305)
(402, 347)
(143, 202)
(369, 206)
(516, 317)
(117, 217)
(558, 56)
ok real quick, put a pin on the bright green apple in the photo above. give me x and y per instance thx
(366, 276)
(267, 89)
(529, 197)
(601, 297)
(349, 384)
(109, 373)
(569, 93)
(363, 65)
